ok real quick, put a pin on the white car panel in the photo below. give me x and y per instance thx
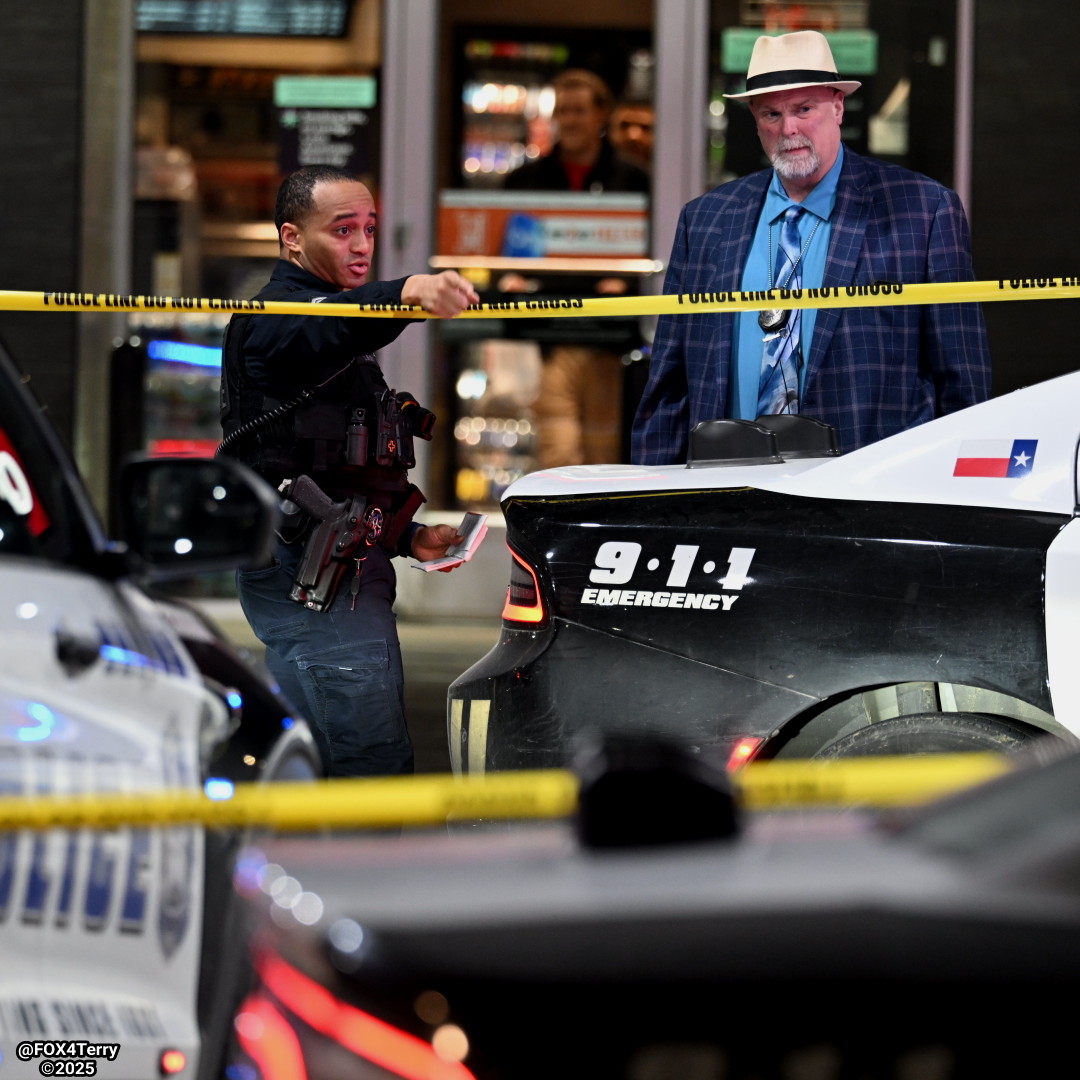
(128, 720)
(915, 466)
(107, 961)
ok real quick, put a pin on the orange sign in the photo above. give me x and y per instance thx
(524, 224)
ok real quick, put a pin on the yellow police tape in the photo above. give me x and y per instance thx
(836, 296)
(865, 781)
(410, 801)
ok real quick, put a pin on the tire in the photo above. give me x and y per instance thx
(933, 733)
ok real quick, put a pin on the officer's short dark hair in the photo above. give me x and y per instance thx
(295, 201)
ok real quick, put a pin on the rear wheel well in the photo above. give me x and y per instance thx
(811, 733)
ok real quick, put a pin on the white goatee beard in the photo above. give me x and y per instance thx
(798, 168)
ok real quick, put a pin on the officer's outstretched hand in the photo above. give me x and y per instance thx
(446, 294)
(432, 541)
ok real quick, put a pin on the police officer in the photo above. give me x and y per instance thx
(305, 404)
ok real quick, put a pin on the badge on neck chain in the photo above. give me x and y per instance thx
(773, 319)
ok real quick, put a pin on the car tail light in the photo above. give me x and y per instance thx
(524, 603)
(743, 752)
(268, 1039)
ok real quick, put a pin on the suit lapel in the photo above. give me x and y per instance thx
(734, 248)
(727, 256)
(850, 216)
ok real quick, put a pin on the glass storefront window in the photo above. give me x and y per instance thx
(527, 242)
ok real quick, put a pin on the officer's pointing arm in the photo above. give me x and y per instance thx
(446, 294)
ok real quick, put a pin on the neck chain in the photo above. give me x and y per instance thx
(776, 318)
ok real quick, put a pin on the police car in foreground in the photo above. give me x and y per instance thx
(772, 598)
(930, 943)
(119, 949)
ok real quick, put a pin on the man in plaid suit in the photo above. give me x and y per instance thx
(869, 371)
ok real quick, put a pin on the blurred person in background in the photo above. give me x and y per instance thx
(632, 131)
(579, 409)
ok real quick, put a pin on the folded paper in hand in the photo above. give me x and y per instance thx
(473, 528)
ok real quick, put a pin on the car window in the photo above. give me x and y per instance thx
(40, 513)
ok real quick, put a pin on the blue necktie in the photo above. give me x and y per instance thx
(778, 391)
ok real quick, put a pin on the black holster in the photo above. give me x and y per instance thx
(334, 546)
(337, 542)
(341, 534)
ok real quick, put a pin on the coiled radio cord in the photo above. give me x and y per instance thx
(263, 419)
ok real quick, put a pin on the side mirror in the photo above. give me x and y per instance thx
(182, 516)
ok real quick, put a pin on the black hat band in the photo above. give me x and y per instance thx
(797, 75)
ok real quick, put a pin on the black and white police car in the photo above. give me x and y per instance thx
(772, 598)
(118, 945)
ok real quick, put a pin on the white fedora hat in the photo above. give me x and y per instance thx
(791, 61)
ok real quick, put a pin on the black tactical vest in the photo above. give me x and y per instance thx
(351, 434)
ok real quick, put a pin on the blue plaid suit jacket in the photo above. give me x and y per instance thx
(871, 371)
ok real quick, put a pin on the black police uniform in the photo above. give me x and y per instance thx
(293, 387)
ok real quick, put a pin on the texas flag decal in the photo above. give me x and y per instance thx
(996, 457)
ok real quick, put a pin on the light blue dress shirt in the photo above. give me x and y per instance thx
(748, 342)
